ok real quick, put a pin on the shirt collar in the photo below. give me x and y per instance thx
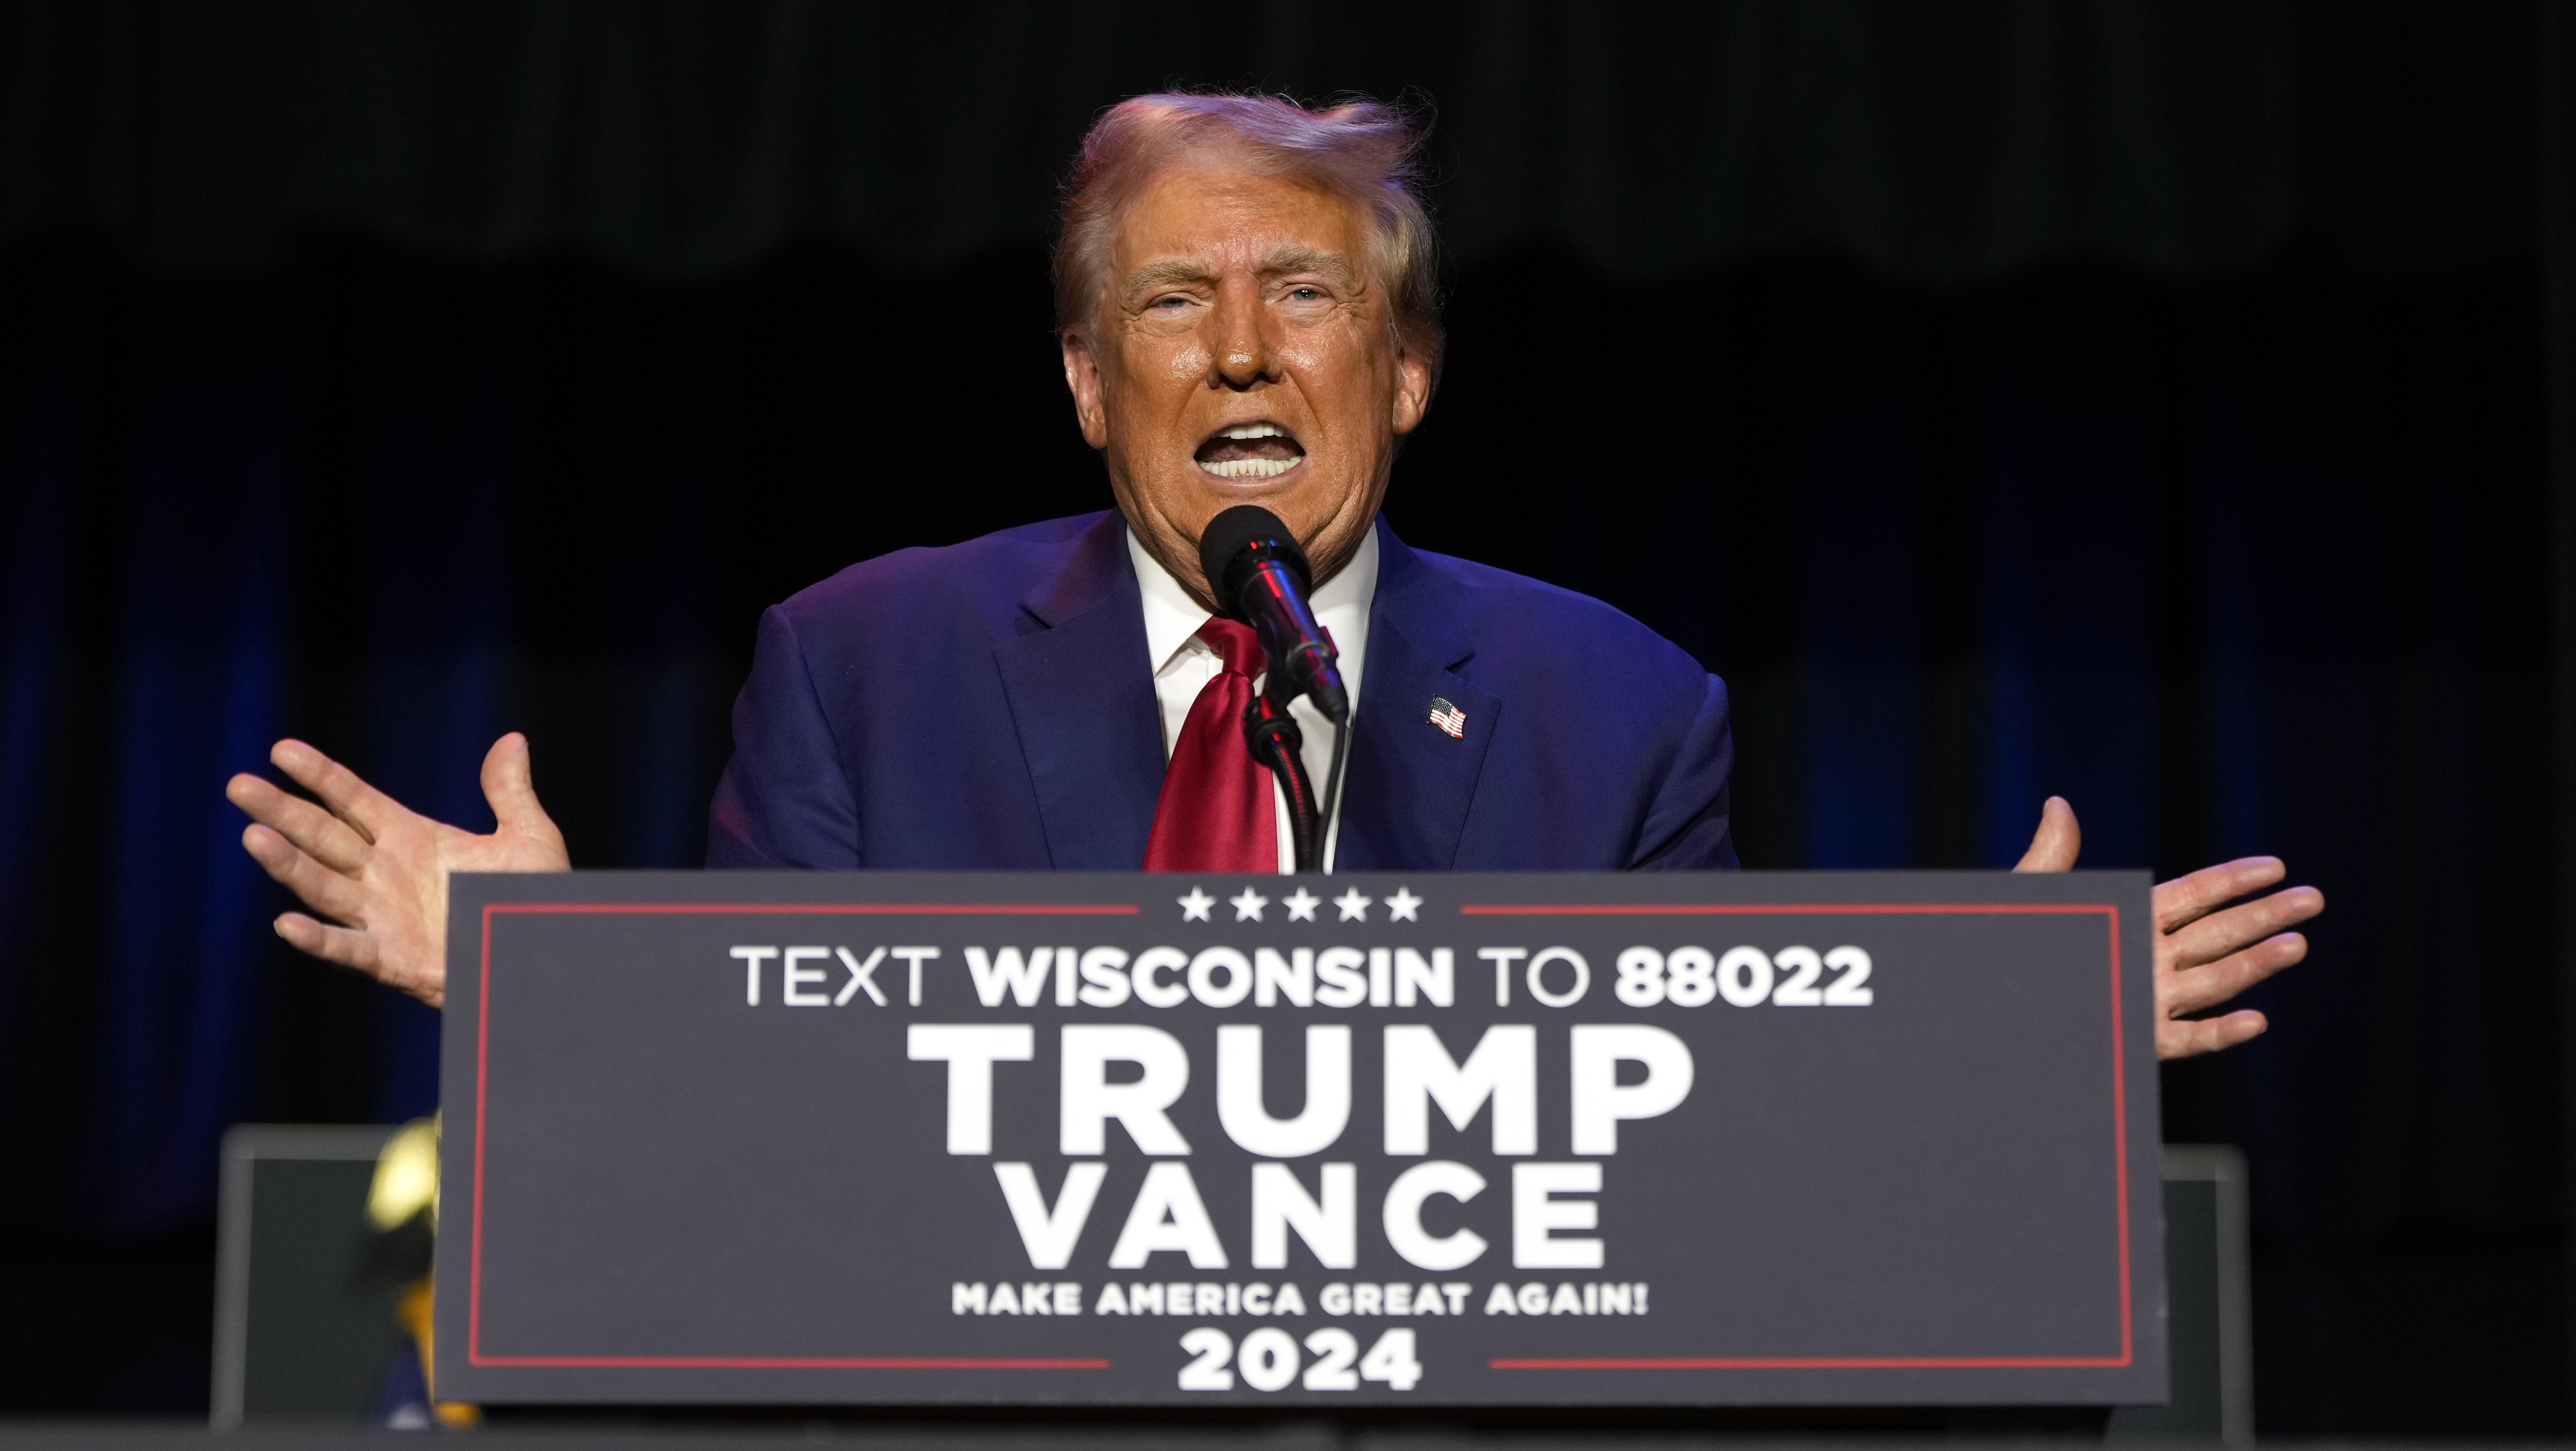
(1172, 618)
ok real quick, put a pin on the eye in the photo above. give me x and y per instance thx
(1306, 294)
(1168, 304)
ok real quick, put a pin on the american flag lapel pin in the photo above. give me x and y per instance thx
(1449, 718)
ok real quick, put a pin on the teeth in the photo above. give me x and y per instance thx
(1251, 468)
(1255, 430)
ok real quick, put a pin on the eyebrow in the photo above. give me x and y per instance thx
(1165, 274)
(1299, 258)
(1292, 258)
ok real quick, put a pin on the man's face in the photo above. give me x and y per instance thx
(1243, 354)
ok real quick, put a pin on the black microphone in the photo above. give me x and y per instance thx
(1261, 577)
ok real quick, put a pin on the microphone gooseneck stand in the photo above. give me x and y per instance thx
(1333, 784)
(1277, 742)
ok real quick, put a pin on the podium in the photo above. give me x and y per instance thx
(1300, 1144)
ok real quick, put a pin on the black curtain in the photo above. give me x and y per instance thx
(685, 138)
(2137, 402)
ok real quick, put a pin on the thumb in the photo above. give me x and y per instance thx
(2054, 845)
(510, 785)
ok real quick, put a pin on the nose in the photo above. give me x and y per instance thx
(1242, 353)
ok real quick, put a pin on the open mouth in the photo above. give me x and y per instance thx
(1250, 451)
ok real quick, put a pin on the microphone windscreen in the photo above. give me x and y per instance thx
(1230, 533)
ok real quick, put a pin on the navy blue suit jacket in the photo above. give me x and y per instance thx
(990, 706)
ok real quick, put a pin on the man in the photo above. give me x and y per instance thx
(1246, 311)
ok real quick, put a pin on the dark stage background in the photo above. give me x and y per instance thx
(2144, 402)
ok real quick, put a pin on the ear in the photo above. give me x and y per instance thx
(1412, 388)
(1082, 377)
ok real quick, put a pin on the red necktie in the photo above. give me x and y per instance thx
(1215, 813)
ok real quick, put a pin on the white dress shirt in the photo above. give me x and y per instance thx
(1183, 665)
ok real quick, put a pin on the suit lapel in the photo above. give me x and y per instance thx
(1082, 699)
(1410, 783)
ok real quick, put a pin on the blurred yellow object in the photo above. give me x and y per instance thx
(406, 1176)
(414, 1313)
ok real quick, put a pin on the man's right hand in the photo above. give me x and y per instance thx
(380, 870)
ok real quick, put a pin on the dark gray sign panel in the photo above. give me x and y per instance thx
(918, 1139)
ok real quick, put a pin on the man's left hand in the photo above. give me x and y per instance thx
(2207, 950)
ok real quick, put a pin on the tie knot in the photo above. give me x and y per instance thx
(1235, 644)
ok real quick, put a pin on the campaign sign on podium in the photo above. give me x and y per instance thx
(1366, 1141)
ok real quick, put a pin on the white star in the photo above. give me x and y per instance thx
(1354, 906)
(1301, 905)
(1399, 908)
(1194, 907)
(1247, 908)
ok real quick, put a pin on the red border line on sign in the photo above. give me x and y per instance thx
(482, 1098)
(1760, 909)
(2119, 1132)
(838, 909)
(1822, 1362)
(800, 1362)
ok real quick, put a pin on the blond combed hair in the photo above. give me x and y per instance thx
(1367, 152)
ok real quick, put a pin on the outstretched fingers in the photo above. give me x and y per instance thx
(345, 946)
(2189, 898)
(314, 831)
(360, 952)
(2191, 989)
(320, 888)
(2211, 937)
(2208, 951)
(351, 799)
(2207, 1035)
